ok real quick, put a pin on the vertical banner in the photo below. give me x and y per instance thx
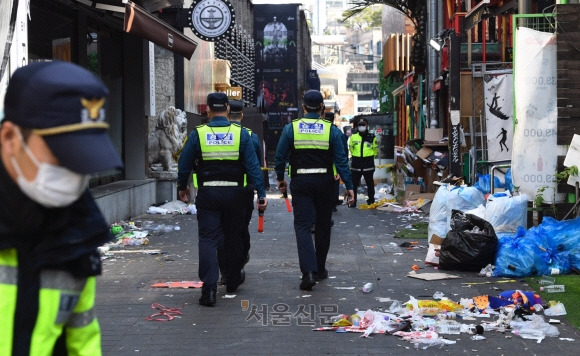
(498, 92)
(535, 151)
(275, 34)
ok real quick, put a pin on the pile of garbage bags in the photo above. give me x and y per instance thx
(478, 232)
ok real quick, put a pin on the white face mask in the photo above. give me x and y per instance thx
(53, 186)
(362, 128)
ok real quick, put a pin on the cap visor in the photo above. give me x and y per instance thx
(84, 152)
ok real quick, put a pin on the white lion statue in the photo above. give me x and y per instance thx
(167, 137)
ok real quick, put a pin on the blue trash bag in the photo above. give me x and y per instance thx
(575, 261)
(557, 262)
(483, 183)
(516, 256)
(509, 183)
(561, 235)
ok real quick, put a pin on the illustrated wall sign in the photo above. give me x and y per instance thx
(211, 20)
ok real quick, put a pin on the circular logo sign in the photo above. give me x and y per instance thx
(210, 20)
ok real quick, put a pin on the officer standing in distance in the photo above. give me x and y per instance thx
(312, 145)
(221, 155)
(363, 149)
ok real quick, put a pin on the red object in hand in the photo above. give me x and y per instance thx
(261, 217)
(288, 205)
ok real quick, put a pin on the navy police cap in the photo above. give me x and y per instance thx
(65, 104)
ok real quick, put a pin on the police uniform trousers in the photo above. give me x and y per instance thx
(312, 202)
(245, 234)
(221, 220)
(368, 175)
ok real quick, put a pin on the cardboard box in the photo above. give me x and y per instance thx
(436, 240)
(433, 135)
(424, 152)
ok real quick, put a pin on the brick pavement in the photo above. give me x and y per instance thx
(362, 250)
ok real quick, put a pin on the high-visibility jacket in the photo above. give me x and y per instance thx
(363, 149)
(66, 305)
(219, 164)
(310, 153)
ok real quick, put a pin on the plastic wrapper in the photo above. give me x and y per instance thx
(506, 213)
(437, 222)
(470, 245)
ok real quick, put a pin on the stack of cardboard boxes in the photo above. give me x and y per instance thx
(419, 164)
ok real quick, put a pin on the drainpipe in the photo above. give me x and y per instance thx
(433, 64)
(524, 7)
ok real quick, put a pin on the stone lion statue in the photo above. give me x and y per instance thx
(167, 137)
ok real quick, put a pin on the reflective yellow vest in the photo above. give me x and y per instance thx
(311, 149)
(66, 304)
(362, 148)
(220, 164)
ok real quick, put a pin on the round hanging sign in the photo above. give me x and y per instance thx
(210, 20)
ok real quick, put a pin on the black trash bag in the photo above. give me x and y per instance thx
(470, 245)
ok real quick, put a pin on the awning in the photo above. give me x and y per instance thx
(141, 23)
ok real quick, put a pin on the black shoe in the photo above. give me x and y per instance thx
(353, 205)
(321, 275)
(208, 297)
(308, 281)
(369, 202)
(338, 202)
(223, 281)
(233, 288)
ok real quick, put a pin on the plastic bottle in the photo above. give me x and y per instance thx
(555, 288)
(367, 288)
(355, 320)
(447, 315)
(445, 328)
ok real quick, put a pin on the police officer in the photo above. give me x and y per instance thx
(363, 149)
(312, 145)
(235, 116)
(221, 155)
(53, 136)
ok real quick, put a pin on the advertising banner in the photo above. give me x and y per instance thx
(498, 92)
(534, 156)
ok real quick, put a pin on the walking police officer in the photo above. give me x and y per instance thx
(312, 145)
(221, 155)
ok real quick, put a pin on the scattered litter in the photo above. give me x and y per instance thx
(181, 284)
(229, 296)
(348, 288)
(383, 300)
(567, 339)
(431, 276)
(164, 313)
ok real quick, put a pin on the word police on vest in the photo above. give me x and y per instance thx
(310, 128)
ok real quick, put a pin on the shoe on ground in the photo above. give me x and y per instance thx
(223, 281)
(369, 202)
(353, 205)
(233, 288)
(208, 297)
(308, 281)
(321, 275)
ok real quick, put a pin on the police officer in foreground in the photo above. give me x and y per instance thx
(235, 115)
(53, 136)
(363, 149)
(222, 157)
(312, 145)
